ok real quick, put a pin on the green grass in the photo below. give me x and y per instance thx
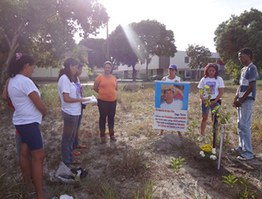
(146, 192)
(230, 180)
(177, 163)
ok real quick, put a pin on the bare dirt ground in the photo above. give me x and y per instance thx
(138, 165)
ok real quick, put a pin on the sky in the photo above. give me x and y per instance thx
(192, 21)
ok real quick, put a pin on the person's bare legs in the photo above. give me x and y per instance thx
(203, 124)
(31, 165)
(37, 172)
(25, 164)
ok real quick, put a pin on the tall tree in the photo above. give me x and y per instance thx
(238, 32)
(97, 53)
(140, 42)
(154, 39)
(46, 28)
(122, 47)
(199, 56)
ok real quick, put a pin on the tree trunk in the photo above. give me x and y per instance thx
(148, 60)
(134, 73)
(146, 69)
(11, 53)
(13, 45)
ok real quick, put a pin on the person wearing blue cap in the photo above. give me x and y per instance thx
(172, 77)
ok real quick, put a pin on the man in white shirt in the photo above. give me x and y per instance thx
(170, 102)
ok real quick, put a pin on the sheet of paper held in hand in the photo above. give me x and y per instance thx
(90, 100)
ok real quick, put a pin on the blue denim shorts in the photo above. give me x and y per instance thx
(30, 135)
(205, 108)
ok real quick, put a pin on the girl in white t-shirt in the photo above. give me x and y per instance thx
(28, 112)
(211, 91)
(71, 108)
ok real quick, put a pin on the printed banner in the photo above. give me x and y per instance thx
(171, 104)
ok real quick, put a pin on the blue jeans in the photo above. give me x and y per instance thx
(244, 128)
(71, 124)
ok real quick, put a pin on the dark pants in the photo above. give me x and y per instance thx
(106, 110)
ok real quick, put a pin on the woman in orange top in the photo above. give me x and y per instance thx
(106, 87)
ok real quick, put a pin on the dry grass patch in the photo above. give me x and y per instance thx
(131, 163)
(127, 168)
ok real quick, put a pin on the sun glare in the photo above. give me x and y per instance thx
(134, 41)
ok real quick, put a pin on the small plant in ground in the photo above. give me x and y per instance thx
(230, 180)
(222, 118)
(147, 193)
(177, 163)
(222, 115)
(245, 192)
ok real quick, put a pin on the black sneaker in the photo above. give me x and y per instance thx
(83, 172)
(237, 150)
(242, 158)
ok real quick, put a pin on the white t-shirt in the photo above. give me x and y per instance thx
(65, 86)
(176, 79)
(19, 88)
(213, 83)
(175, 105)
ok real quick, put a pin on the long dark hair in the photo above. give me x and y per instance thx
(18, 62)
(209, 65)
(66, 70)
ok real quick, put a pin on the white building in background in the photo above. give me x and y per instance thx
(159, 67)
(47, 73)
(51, 74)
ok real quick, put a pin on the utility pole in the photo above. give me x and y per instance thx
(107, 43)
